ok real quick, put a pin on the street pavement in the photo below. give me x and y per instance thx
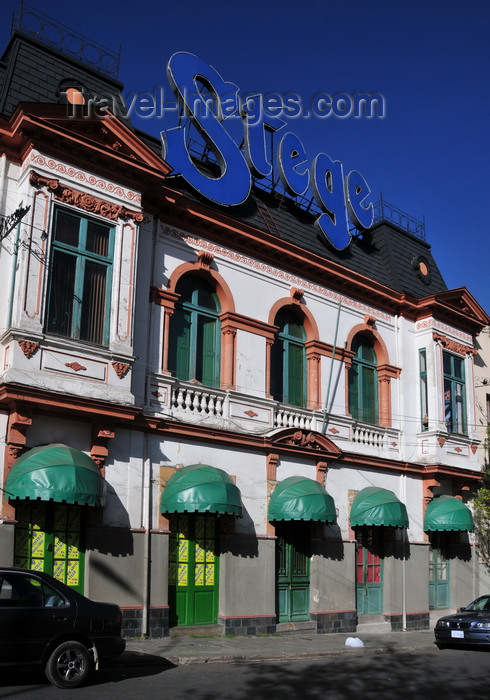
(178, 651)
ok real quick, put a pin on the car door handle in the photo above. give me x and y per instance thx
(60, 618)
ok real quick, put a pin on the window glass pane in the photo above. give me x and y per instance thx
(206, 298)
(98, 237)
(62, 294)
(277, 369)
(446, 358)
(458, 367)
(93, 303)
(423, 389)
(205, 369)
(368, 395)
(184, 287)
(67, 229)
(296, 378)
(448, 404)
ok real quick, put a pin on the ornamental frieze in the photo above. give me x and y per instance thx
(83, 200)
(453, 345)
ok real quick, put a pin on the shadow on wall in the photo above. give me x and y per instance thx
(239, 541)
(116, 581)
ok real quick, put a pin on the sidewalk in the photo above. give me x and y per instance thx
(178, 651)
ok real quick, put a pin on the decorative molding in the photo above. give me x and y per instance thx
(251, 413)
(121, 369)
(296, 294)
(453, 345)
(28, 347)
(441, 441)
(204, 259)
(83, 200)
(273, 272)
(272, 460)
(100, 445)
(75, 366)
(82, 176)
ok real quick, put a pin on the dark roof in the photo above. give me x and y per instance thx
(31, 71)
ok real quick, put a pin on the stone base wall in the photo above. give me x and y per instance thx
(328, 623)
(248, 626)
(414, 621)
(132, 623)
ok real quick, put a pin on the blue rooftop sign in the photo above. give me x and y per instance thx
(208, 100)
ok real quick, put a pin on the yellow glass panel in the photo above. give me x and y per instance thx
(73, 540)
(59, 570)
(59, 548)
(199, 575)
(210, 575)
(183, 550)
(209, 556)
(37, 544)
(182, 575)
(37, 564)
(72, 573)
(200, 552)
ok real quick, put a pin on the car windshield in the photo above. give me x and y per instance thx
(482, 603)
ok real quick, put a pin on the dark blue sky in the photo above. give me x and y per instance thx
(429, 155)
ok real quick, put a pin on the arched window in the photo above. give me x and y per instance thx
(288, 360)
(363, 381)
(195, 332)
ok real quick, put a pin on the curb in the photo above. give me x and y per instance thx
(134, 658)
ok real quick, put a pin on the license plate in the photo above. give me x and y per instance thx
(458, 634)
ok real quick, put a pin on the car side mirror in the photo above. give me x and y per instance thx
(461, 609)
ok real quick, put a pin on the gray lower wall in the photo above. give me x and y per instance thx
(332, 576)
(247, 576)
(7, 536)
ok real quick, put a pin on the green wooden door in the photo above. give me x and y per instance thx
(193, 570)
(293, 571)
(369, 566)
(438, 580)
(48, 537)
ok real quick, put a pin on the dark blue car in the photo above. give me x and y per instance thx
(470, 625)
(44, 622)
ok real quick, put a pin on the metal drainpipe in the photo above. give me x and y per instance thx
(146, 483)
(14, 274)
(325, 410)
(3, 172)
(404, 562)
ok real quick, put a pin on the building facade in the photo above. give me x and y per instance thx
(210, 416)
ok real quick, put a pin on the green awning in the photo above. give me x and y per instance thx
(298, 498)
(200, 488)
(447, 513)
(375, 506)
(56, 473)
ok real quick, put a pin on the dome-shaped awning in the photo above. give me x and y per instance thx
(447, 513)
(56, 473)
(299, 498)
(200, 488)
(375, 506)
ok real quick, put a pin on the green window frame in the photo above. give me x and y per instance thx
(363, 382)
(424, 401)
(454, 393)
(195, 333)
(288, 360)
(80, 278)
